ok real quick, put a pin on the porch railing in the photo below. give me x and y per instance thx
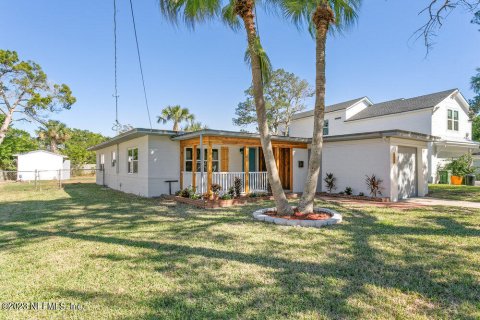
(257, 181)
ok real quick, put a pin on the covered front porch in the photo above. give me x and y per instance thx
(229, 155)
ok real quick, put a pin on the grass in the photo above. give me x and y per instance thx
(124, 257)
(452, 192)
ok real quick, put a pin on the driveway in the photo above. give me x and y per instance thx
(427, 201)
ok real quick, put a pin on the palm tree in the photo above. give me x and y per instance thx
(234, 13)
(321, 16)
(53, 134)
(194, 126)
(177, 114)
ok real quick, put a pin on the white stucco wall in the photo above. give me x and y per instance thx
(136, 183)
(46, 163)
(299, 174)
(351, 161)
(163, 165)
(439, 121)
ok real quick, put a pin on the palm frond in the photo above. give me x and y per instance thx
(230, 17)
(265, 64)
(190, 11)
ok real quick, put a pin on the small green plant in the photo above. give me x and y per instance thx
(361, 194)
(216, 188)
(461, 166)
(187, 192)
(330, 182)
(237, 186)
(226, 196)
(348, 191)
(374, 185)
(252, 195)
(231, 192)
(195, 196)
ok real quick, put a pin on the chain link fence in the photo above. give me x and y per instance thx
(49, 179)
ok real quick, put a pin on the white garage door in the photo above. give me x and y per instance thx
(407, 172)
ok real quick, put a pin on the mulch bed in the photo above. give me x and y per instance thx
(301, 216)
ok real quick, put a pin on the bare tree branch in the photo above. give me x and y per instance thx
(437, 11)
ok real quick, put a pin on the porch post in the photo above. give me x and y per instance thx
(246, 168)
(194, 167)
(181, 166)
(209, 169)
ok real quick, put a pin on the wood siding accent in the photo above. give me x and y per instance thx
(291, 169)
(252, 142)
(246, 167)
(224, 159)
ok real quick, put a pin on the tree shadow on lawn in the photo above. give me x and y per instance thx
(339, 283)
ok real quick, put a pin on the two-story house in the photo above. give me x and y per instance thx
(444, 115)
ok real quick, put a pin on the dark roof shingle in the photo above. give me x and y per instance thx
(331, 108)
(402, 105)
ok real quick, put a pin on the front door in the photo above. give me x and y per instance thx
(284, 167)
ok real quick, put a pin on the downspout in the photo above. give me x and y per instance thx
(201, 163)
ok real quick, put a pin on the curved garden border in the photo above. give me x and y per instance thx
(336, 218)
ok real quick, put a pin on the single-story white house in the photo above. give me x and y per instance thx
(146, 162)
(45, 165)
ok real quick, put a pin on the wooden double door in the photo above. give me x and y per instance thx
(283, 158)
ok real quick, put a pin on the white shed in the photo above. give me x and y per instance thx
(47, 165)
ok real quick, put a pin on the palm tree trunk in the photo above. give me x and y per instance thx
(5, 125)
(322, 18)
(281, 202)
(53, 146)
(175, 126)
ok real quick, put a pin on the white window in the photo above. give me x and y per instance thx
(452, 120)
(114, 158)
(102, 161)
(325, 127)
(132, 160)
(189, 160)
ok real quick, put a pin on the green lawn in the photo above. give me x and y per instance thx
(451, 192)
(124, 257)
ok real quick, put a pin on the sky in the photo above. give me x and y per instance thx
(204, 69)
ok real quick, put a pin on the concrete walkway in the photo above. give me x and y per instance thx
(404, 204)
(427, 201)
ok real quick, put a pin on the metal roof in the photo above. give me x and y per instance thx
(132, 134)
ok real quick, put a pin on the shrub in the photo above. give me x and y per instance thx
(374, 185)
(185, 193)
(195, 196)
(330, 182)
(216, 188)
(361, 194)
(231, 192)
(461, 166)
(348, 191)
(237, 186)
(252, 195)
(226, 196)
